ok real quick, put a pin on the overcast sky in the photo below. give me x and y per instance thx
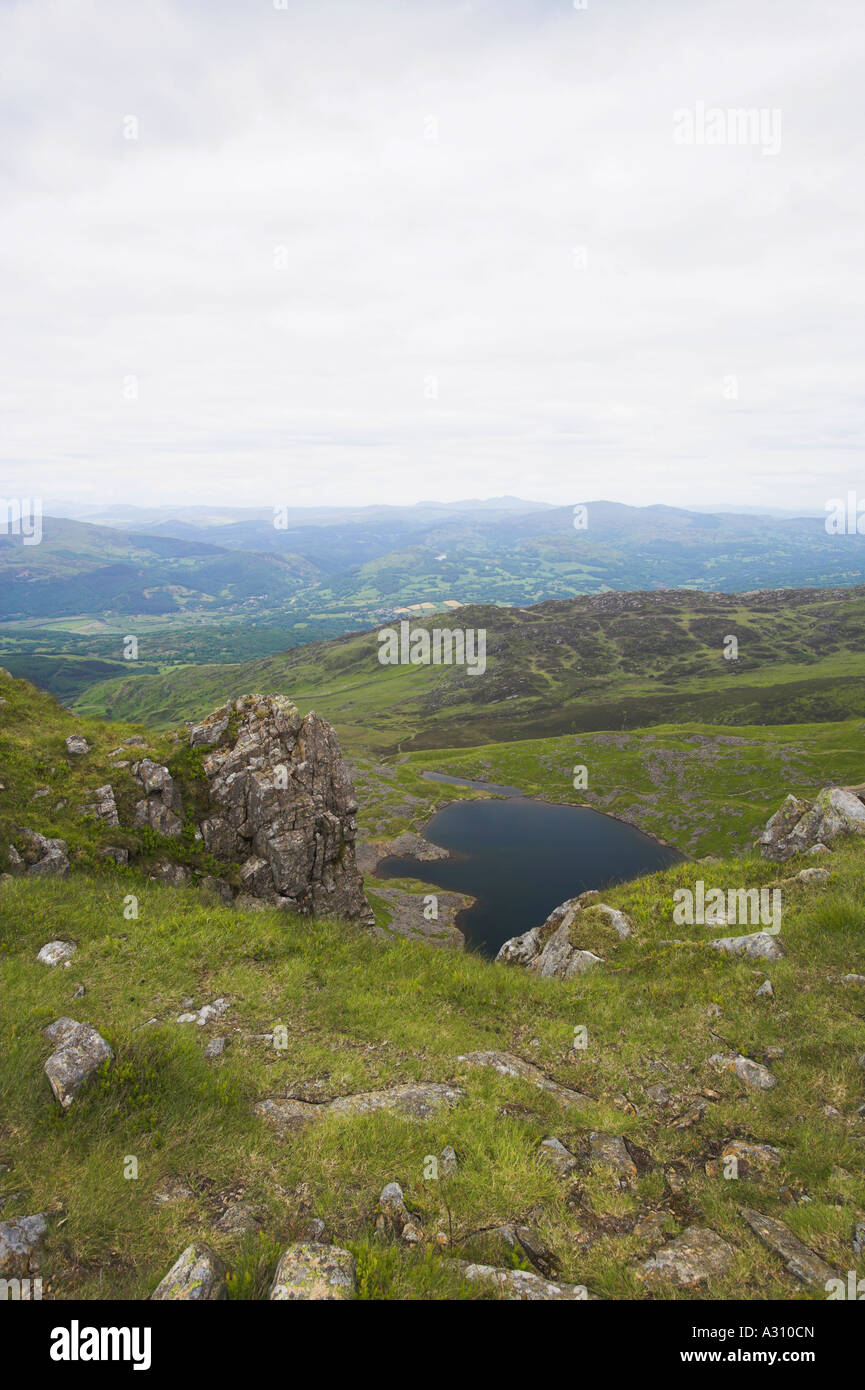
(342, 259)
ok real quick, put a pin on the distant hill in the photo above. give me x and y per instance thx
(606, 662)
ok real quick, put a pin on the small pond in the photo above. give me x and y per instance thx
(519, 858)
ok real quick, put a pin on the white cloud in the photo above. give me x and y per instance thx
(283, 259)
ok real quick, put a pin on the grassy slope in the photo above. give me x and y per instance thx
(363, 1013)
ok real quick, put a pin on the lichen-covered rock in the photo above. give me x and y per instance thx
(797, 826)
(55, 952)
(519, 1285)
(81, 1050)
(310, 1271)
(198, 1276)
(18, 1242)
(752, 1073)
(284, 807)
(696, 1256)
(77, 744)
(419, 1101)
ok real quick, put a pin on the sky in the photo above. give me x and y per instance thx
(261, 253)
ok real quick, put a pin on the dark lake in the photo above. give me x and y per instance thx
(520, 858)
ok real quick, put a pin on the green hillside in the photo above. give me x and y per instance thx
(612, 662)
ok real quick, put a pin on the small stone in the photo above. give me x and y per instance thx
(76, 744)
(765, 990)
(215, 1047)
(79, 992)
(311, 1271)
(859, 1239)
(53, 952)
(751, 1160)
(197, 1276)
(854, 979)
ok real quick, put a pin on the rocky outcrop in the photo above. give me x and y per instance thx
(283, 806)
(415, 1102)
(81, 1050)
(42, 858)
(799, 826)
(553, 949)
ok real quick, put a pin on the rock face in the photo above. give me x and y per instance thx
(311, 1271)
(102, 806)
(81, 1050)
(552, 950)
(284, 806)
(798, 826)
(198, 1276)
(160, 807)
